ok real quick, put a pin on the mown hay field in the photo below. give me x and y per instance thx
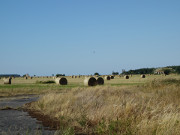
(21, 86)
(79, 81)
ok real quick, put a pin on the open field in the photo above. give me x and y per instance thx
(122, 106)
(22, 86)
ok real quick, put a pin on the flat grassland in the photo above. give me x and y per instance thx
(131, 106)
(21, 86)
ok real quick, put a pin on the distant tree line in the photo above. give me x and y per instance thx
(167, 70)
(9, 75)
(140, 71)
(58, 75)
(175, 69)
(115, 73)
(97, 74)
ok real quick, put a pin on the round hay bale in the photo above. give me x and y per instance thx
(56, 80)
(107, 78)
(7, 80)
(61, 81)
(126, 77)
(90, 81)
(143, 76)
(112, 77)
(100, 81)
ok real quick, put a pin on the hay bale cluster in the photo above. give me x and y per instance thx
(112, 77)
(75, 76)
(91, 81)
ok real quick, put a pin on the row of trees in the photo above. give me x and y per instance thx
(140, 71)
(176, 69)
(167, 70)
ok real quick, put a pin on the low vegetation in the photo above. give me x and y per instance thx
(45, 82)
(151, 108)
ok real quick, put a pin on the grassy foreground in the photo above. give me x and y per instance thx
(152, 108)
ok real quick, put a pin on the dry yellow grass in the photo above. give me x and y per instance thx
(149, 109)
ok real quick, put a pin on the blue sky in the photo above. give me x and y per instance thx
(45, 37)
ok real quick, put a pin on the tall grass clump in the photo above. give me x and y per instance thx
(150, 109)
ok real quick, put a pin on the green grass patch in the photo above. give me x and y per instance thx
(19, 86)
(40, 88)
(126, 84)
(38, 85)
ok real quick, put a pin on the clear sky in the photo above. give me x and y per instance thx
(45, 37)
